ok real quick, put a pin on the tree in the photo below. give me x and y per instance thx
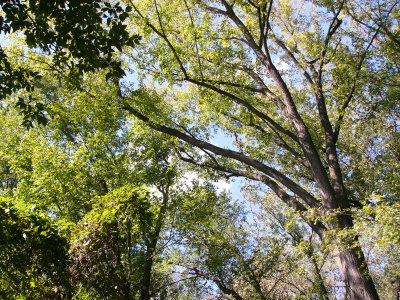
(293, 87)
(273, 70)
(64, 165)
(379, 224)
(80, 168)
(240, 257)
(114, 246)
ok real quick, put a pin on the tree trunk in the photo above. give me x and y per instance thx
(351, 262)
(151, 244)
(322, 291)
(355, 274)
(146, 279)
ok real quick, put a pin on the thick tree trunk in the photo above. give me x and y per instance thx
(355, 274)
(352, 263)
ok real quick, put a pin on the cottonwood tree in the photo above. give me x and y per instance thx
(281, 79)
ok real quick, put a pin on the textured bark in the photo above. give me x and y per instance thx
(352, 263)
(359, 284)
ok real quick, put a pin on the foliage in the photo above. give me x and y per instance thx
(82, 36)
(300, 91)
(241, 253)
(379, 223)
(305, 98)
(33, 255)
(106, 251)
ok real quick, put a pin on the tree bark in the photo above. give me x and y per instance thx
(352, 263)
(355, 273)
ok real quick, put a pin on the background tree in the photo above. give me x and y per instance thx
(219, 246)
(33, 255)
(114, 248)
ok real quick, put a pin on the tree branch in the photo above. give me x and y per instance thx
(284, 196)
(278, 176)
(162, 35)
(217, 281)
(353, 87)
(291, 112)
(281, 143)
(246, 104)
(281, 44)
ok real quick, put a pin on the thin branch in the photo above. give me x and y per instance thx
(353, 87)
(195, 38)
(246, 104)
(162, 35)
(232, 84)
(217, 281)
(380, 25)
(172, 283)
(267, 25)
(289, 200)
(281, 44)
(281, 143)
(333, 26)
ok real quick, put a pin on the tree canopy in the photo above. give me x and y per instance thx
(109, 113)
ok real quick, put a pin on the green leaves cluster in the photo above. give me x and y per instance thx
(33, 255)
(85, 31)
(81, 36)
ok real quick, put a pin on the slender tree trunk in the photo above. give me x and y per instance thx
(322, 291)
(151, 244)
(146, 279)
